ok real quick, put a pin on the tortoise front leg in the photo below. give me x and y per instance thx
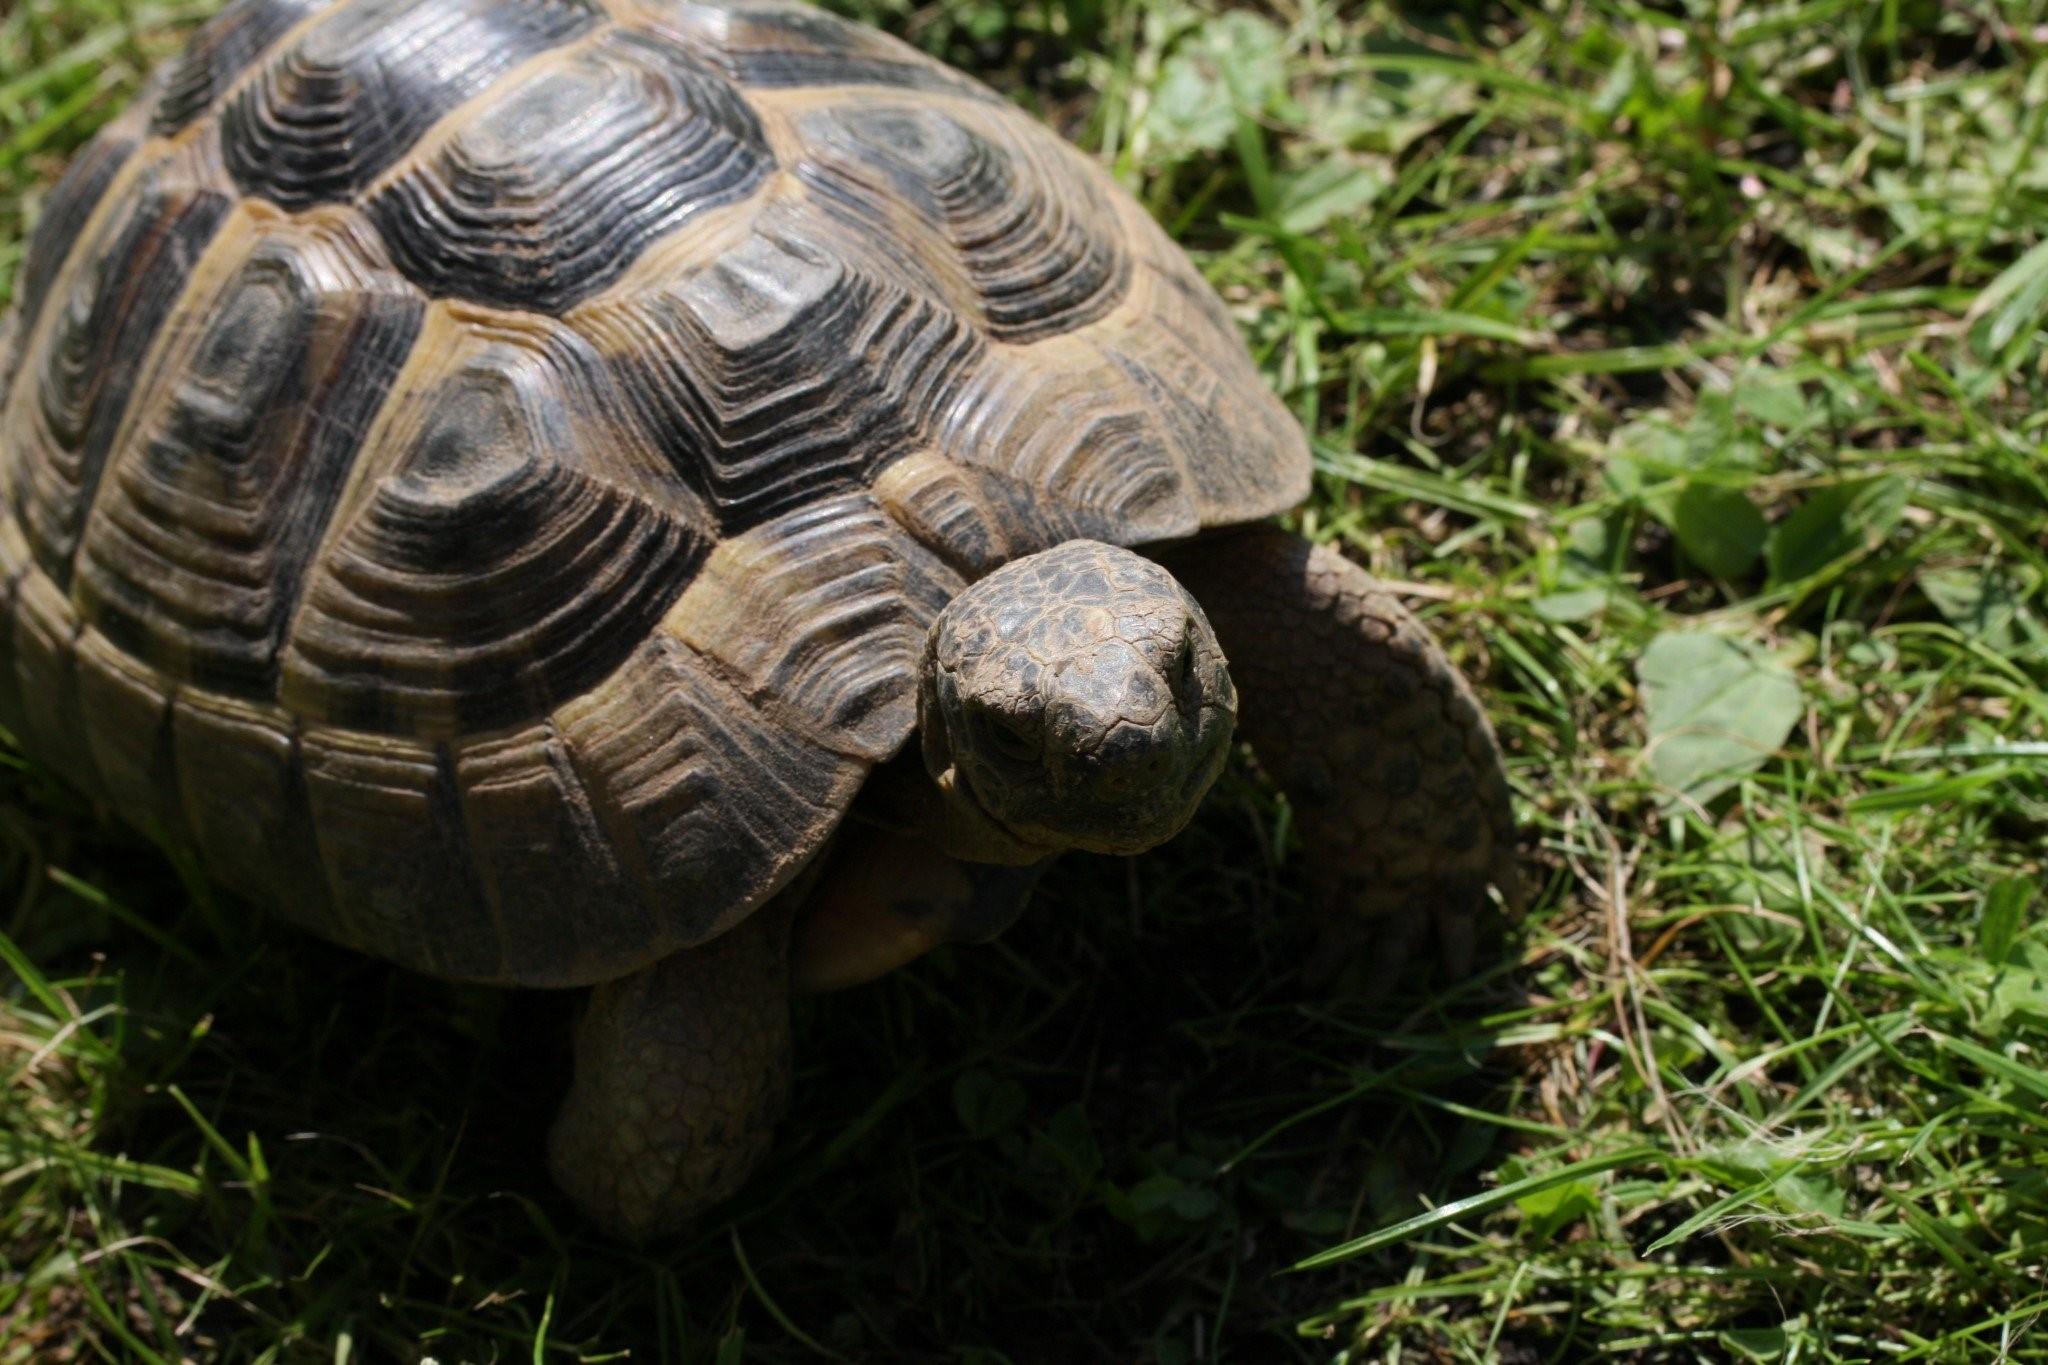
(891, 897)
(682, 1073)
(1391, 770)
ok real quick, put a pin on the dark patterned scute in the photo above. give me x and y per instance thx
(369, 796)
(703, 792)
(481, 474)
(1106, 455)
(126, 281)
(206, 523)
(780, 374)
(219, 52)
(551, 189)
(790, 46)
(67, 210)
(825, 609)
(1030, 238)
(536, 842)
(492, 570)
(320, 120)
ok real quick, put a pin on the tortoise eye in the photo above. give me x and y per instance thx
(1009, 738)
(1183, 675)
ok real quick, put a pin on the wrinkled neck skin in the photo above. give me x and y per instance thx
(904, 795)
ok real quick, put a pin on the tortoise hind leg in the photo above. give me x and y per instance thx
(682, 1073)
(1392, 772)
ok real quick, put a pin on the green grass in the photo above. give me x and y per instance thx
(1686, 361)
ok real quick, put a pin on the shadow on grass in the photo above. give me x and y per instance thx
(1108, 1136)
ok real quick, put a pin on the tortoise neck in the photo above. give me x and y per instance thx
(903, 796)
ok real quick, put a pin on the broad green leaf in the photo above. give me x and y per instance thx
(1155, 1204)
(1644, 453)
(1593, 548)
(1187, 112)
(1858, 648)
(1834, 522)
(1068, 1142)
(1770, 397)
(984, 22)
(1250, 52)
(1757, 1343)
(1575, 604)
(1556, 1208)
(2019, 993)
(1229, 67)
(1377, 112)
(1807, 1194)
(1334, 187)
(1716, 710)
(1657, 463)
(1716, 436)
(1989, 604)
(1719, 527)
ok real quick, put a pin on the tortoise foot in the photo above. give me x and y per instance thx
(682, 1073)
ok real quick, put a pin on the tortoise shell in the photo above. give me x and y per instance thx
(480, 472)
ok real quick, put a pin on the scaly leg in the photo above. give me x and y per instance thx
(889, 897)
(1391, 770)
(682, 1073)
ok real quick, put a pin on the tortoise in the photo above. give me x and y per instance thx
(696, 501)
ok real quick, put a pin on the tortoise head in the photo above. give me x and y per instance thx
(1077, 699)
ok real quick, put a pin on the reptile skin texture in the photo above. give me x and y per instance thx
(1393, 774)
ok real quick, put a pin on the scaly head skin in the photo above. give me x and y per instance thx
(1076, 699)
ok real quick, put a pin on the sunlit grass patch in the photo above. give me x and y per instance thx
(1685, 368)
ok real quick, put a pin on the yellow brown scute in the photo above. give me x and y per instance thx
(209, 512)
(480, 471)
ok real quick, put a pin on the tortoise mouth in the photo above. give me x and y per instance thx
(1040, 809)
(1096, 830)
(964, 783)
(941, 761)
